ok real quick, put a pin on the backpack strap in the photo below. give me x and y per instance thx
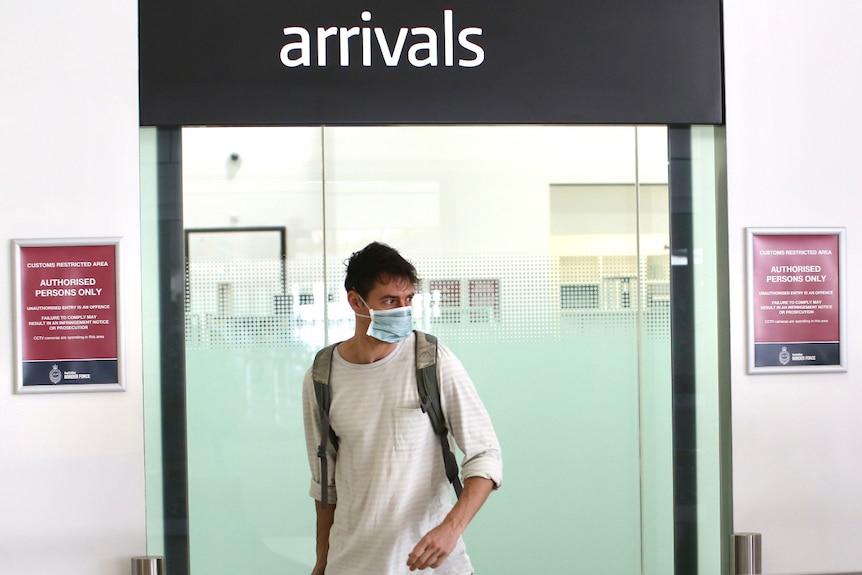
(320, 375)
(429, 395)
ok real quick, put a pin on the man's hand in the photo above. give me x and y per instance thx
(433, 549)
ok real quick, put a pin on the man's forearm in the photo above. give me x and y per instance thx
(325, 517)
(438, 543)
(476, 491)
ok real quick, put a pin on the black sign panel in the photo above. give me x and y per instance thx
(290, 62)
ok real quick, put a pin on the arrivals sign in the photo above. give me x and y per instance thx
(342, 62)
(68, 336)
(795, 300)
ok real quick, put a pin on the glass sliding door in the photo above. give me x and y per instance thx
(253, 219)
(544, 260)
(535, 274)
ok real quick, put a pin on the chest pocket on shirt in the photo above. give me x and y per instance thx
(411, 428)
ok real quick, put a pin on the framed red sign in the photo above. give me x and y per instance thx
(796, 299)
(68, 315)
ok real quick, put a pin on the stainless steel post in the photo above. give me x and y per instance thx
(150, 565)
(746, 553)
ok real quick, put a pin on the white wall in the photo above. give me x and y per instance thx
(71, 465)
(793, 126)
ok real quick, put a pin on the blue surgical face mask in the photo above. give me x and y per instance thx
(389, 325)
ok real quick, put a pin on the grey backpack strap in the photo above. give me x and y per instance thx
(320, 371)
(429, 393)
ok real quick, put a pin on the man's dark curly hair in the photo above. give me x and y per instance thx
(376, 262)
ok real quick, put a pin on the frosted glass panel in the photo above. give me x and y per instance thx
(250, 334)
(532, 270)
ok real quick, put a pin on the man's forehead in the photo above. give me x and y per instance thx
(392, 284)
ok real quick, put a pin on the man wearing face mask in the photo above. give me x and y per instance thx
(390, 506)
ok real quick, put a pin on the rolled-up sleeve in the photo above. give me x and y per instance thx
(311, 422)
(468, 420)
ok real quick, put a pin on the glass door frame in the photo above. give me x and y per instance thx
(689, 248)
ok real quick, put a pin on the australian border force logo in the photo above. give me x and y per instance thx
(784, 356)
(55, 375)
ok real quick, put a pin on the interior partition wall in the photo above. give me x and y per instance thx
(548, 263)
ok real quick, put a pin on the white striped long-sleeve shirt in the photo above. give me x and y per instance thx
(387, 476)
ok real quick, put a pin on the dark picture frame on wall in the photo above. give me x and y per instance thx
(796, 300)
(68, 314)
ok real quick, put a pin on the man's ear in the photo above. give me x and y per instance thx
(355, 303)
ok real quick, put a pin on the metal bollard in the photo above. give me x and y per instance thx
(746, 553)
(150, 565)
